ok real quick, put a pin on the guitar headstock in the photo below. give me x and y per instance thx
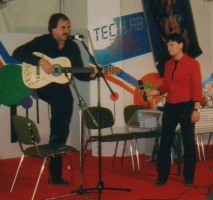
(112, 70)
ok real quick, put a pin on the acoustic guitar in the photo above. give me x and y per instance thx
(34, 77)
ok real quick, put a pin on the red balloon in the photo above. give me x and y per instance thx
(115, 97)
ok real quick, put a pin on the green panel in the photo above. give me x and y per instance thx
(12, 88)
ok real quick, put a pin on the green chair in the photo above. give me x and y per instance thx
(106, 122)
(28, 138)
(129, 111)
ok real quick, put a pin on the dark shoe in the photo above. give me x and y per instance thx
(59, 181)
(160, 182)
(189, 183)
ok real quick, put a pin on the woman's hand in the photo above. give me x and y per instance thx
(149, 92)
(195, 116)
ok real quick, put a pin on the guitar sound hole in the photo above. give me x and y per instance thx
(57, 70)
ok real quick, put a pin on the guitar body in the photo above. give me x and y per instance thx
(34, 77)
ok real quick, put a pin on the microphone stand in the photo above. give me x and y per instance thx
(100, 185)
(81, 190)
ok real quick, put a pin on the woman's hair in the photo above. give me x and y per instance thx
(176, 37)
(53, 21)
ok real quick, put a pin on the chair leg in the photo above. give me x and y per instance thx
(211, 146)
(137, 153)
(115, 152)
(179, 154)
(131, 153)
(198, 146)
(17, 171)
(85, 147)
(202, 146)
(210, 136)
(124, 148)
(39, 177)
(48, 167)
(172, 159)
(155, 149)
(70, 168)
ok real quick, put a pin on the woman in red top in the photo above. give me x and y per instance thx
(182, 83)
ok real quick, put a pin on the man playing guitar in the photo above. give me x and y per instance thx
(55, 44)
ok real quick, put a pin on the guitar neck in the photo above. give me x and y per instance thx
(76, 70)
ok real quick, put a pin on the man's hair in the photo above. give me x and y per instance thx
(176, 37)
(53, 21)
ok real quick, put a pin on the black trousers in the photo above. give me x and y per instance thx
(172, 115)
(60, 99)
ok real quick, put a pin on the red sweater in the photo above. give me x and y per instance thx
(186, 83)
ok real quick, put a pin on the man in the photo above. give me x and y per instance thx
(58, 96)
(182, 83)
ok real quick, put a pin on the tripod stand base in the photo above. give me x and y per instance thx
(99, 188)
(79, 191)
(82, 191)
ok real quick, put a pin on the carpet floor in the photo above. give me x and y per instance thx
(115, 181)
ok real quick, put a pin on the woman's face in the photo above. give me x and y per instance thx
(175, 49)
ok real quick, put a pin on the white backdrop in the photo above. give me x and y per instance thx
(31, 17)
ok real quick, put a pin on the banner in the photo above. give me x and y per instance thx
(124, 39)
(119, 38)
(165, 17)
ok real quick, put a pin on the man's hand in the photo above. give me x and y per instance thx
(93, 75)
(46, 66)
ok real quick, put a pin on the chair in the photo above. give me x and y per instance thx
(129, 111)
(28, 138)
(106, 122)
(129, 114)
(178, 138)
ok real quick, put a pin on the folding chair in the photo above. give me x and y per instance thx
(106, 121)
(28, 138)
(129, 111)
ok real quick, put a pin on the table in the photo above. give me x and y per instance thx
(204, 125)
(147, 120)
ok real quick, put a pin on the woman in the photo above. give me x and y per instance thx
(182, 83)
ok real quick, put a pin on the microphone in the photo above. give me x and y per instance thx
(141, 87)
(76, 37)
